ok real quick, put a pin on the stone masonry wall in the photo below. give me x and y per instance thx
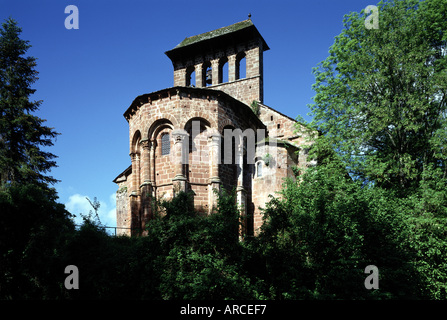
(164, 113)
(270, 182)
(245, 90)
(122, 217)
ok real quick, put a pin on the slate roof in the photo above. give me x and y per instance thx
(215, 33)
(218, 36)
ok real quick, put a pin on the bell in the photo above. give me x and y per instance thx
(208, 79)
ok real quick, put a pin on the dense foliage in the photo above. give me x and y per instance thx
(381, 94)
(315, 244)
(380, 110)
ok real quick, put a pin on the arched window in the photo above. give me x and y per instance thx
(223, 70)
(190, 76)
(198, 141)
(241, 67)
(259, 169)
(165, 144)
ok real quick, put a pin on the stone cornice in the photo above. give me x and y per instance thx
(186, 93)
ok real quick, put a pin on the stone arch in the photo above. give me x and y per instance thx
(156, 120)
(201, 116)
(135, 144)
(157, 126)
(190, 80)
(259, 167)
(156, 131)
(202, 120)
(228, 124)
(136, 169)
(198, 135)
(225, 123)
(204, 125)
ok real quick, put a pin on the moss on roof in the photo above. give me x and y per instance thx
(215, 33)
(277, 141)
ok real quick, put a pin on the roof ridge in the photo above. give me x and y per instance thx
(215, 33)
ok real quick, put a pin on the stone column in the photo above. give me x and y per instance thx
(241, 193)
(134, 195)
(215, 71)
(135, 158)
(214, 140)
(145, 161)
(232, 68)
(180, 137)
(180, 77)
(152, 165)
(199, 75)
(146, 186)
(239, 161)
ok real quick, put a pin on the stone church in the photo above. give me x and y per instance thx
(211, 130)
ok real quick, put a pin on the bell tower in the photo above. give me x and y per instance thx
(229, 59)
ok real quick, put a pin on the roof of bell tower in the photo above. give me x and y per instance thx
(225, 36)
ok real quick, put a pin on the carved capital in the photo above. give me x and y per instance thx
(241, 190)
(146, 144)
(134, 156)
(214, 180)
(214, 137)
(179, 135)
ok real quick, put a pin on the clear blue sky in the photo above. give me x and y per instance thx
(89, 76)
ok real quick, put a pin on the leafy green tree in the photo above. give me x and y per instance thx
(22, 134)
(320, 235)
(380, 109)
(380, 95)
(201, 254)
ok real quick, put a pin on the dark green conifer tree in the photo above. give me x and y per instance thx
(22, 134)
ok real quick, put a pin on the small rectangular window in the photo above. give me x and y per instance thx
(165, 144)
(259, 169)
